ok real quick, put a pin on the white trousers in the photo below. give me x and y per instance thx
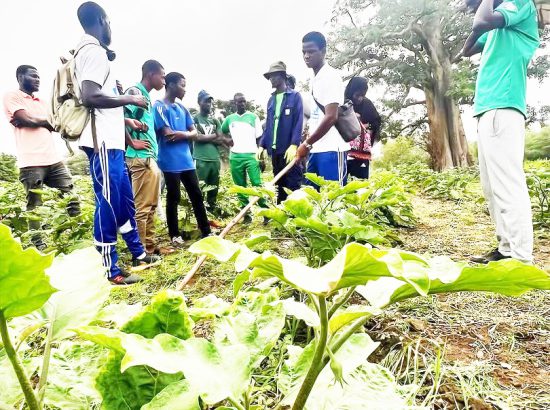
(501, 139)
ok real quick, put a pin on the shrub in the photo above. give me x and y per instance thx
(401, 151)
(537, 144)
(8, 169)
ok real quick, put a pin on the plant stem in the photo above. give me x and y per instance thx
(24, 382)
(236, 404)
(314, 369)
(338, 303)
(41, 389)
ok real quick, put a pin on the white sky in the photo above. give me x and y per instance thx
(223, 46)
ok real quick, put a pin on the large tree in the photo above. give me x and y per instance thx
(408, 46)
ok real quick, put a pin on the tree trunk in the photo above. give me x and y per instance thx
(447, 143)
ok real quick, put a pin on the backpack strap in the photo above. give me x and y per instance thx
(321, 107)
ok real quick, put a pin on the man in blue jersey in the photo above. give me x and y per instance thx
(176, 131)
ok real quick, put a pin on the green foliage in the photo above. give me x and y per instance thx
(321, 223)
(24, 285)
(399, 152)
(78, 164)
(138, 385)
(227, 107)
(538, 182)
(455, 184)
(382, 277)
(60, 231)
(8, 168)
(537, 144)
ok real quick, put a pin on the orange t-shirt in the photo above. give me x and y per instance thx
(35, 146)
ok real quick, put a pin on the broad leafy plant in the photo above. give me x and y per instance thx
(382, 277)
(321, 223)
(41, 296)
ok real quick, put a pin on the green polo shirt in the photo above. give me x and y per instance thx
(146, 117)
(507, 51)
(206, 151)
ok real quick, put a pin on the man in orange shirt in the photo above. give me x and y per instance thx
(37, 158)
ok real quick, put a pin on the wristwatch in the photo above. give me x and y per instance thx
(308, 145)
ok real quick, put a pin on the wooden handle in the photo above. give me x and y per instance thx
(231, 224)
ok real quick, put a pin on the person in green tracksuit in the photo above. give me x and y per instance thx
(244, 128)
(205, 152)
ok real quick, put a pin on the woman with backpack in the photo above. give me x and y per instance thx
(360, 154)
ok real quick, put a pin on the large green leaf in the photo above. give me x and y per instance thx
(83, 289)
(176, 396)
(354, 265)
(215, 372)
(275, 214)
(138, 385)
(167, 313)
(301, 311)
(298, 205)
(508, 277)
(71, 379)
(24, 286)
(257, 237)
(343, 317)
(216, 247)
(255, 320)
(208, 307)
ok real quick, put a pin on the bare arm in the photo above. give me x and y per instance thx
(94, 97)
(207, 137)
(471, 47)
(171, 135)
(330, 118)
(21, 118)
(487, 18)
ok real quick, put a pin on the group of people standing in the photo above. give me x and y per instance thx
(133, 143)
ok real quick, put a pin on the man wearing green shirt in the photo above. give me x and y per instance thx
(244, 128)
(506, 32)
(205, 149)
(142, 151)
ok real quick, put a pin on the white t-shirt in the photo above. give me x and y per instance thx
(328, 88)
(245, 130)
(92, 64)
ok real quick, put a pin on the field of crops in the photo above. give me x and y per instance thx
(349, 298)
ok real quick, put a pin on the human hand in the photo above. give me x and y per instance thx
(302, 151)
(140, 145)
(136, 125)
(290, 153)
(260, 154)
(138, 100)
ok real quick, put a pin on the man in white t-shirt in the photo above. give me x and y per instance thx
(115, 212)
(326, 148)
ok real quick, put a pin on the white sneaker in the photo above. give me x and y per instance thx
(177, 241)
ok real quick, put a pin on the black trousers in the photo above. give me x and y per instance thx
(291, 180)
(173, 195)
(359, 168)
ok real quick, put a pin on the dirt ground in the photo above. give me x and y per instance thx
(496, 348)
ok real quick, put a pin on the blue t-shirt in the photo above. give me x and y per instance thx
(173, 156)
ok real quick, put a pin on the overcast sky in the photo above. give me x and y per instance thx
(223, 46)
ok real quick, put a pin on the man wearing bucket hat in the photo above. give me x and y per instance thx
(206, 145)
(283, 132)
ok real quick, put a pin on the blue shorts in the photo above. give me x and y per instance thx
(331, 165)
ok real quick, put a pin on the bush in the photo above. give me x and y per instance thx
(401, 151)
(537, 144)
(8, 168)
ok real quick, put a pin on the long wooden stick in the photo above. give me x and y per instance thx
(231, 224)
